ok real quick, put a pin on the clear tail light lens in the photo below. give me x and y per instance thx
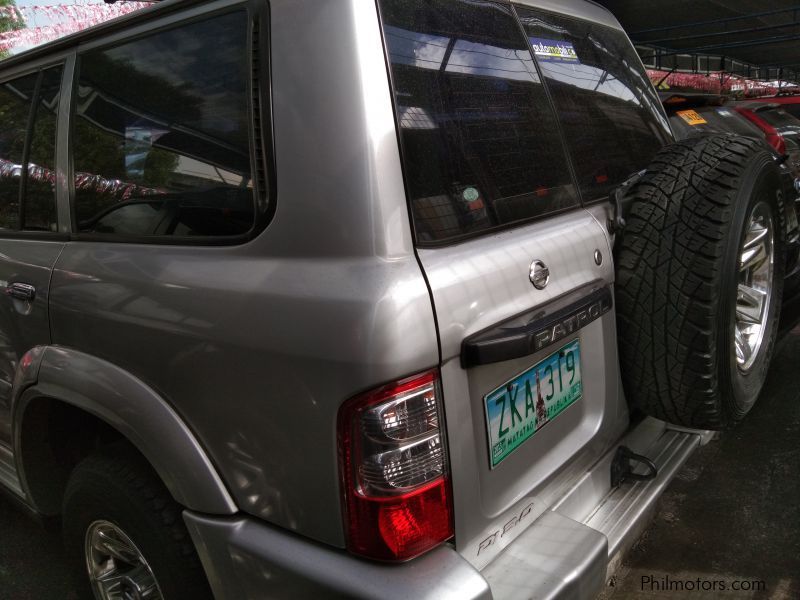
(394, 470)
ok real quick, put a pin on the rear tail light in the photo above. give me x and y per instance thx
(771, 134)
(394, 470)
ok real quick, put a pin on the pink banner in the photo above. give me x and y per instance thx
(64, 19)
(121, 190)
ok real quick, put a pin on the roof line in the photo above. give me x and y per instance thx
(722, 33)
(717, 21)
(740, 44)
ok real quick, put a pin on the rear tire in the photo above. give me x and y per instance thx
(116, 495)
(686, 281)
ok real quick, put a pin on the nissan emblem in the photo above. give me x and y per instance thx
(539, 275)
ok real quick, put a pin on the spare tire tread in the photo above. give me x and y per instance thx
(669, 277)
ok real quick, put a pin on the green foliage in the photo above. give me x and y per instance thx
(160, 95)
(9, 24)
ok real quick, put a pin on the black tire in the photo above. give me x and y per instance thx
(677, 280)
(119, 486)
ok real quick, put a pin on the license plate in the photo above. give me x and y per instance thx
(523, 405)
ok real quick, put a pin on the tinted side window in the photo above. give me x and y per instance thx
(39, 209)
(607, 107)
(162, 122)
(479, 140)
(16, 97)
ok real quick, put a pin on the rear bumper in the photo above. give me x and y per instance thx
(247, 559)
(565, 553)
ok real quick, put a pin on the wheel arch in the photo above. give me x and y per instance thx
(81, 398)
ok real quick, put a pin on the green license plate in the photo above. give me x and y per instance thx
(522, 406)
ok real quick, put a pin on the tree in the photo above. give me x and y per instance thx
(9, 22)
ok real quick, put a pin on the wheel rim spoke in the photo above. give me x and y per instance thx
(750, 304)
(106, 541)
(756, 259)
(111, 583)
(752, 258)
(117, 569)
(755, 236)
(742, 348)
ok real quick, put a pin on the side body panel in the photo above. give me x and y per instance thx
(133, 409)
(256, 346)
(23, 325)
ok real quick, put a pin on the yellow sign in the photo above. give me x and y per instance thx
(691, 117)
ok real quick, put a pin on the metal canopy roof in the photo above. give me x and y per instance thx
(764, 34)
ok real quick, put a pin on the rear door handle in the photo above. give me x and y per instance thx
(21, 291)
(538, 329)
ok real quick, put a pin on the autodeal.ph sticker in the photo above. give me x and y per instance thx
(691, 117)
(553, 50)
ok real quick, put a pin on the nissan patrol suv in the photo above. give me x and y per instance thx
(377, 299)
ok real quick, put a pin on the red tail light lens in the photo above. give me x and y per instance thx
(394, 470)
(771, 134)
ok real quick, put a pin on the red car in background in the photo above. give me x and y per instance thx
(781, 128)
(791, 104)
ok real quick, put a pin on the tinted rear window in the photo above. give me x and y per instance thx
(609, 111)
(479, 140)
(792, 109)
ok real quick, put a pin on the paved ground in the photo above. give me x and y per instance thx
(32, 565)
(732, 515)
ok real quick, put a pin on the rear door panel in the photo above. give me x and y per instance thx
(477, 285)
(485, 132)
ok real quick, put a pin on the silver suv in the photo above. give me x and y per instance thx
(318, 298)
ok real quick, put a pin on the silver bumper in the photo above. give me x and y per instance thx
(564, 554)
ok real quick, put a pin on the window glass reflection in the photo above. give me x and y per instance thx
(478, 137)
(608, 109)
(39, 212)
(16, 97)
(164, 119)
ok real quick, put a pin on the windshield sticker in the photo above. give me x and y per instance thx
(692, 117)
(472, 198)
(554, 50)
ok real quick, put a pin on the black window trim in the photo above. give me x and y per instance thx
(264, 193)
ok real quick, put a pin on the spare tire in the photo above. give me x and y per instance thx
(699, 281)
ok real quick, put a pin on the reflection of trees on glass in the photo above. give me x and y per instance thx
(40, 199)
(480, 143)
(167, 115)
(120, 76)
(39, 210)
(15, 97)
(8, 23)
(609, 112)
